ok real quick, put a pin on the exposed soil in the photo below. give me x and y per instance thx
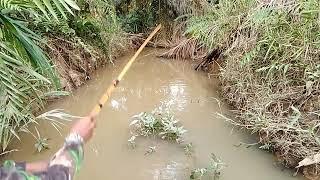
(76, 61)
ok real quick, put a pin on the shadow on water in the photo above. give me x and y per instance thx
(151, 81)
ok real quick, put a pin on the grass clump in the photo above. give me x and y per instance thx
(270, 70)
(158, 123)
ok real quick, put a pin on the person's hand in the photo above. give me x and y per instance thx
(85, 127)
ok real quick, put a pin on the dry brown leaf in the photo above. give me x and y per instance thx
(309, 160)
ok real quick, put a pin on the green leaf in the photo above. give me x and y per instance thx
(66, 6)
(50, 8)
(58, 5)
(73, 4)
(41, 7)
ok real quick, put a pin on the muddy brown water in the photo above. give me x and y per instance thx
(149, 82)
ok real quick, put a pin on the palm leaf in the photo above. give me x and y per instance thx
(46, 7)
(16, 89)
(13, 4)
(20, 41)
(51, 6)
(24, 68)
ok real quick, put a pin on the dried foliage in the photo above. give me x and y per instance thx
(276, 84)
(180, 46)
(76, 60)
(186, 49)
(183, 7)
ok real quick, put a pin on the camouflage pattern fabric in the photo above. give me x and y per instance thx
(63, 166)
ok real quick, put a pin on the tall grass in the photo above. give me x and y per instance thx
(270, 70)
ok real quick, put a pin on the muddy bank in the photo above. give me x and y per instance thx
(76, 61)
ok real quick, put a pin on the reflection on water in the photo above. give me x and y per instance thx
(172, 171)
(119, 104)
(194, 100)
(177, 95)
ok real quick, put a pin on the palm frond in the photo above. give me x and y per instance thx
(19, 84)
(26, 74)
(14, 4)
(49, 8)
(21, 40)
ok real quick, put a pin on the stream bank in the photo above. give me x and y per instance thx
(195, 103)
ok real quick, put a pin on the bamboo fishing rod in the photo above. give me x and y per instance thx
(104, 98)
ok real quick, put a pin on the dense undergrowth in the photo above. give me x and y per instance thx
(48, 48)
(269, 70)
(268, 52)
(84, 42)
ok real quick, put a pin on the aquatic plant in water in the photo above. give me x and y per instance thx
(188, 149)
(213, 170)
(150, 150)
(158, 123)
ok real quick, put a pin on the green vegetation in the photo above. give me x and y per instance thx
(158, 123)
(161, 123)
(268, 53)
(26, 74)
(188, 149)
(41, 143)
(46, 47)
(213, 171)
(269, 69)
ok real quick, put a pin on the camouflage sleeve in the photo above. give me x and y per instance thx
(67, 161)
(63, 166)
(11, 170)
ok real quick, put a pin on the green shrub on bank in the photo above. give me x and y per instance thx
(96, 25)
(27, 75)
(270, 69)
(137, 16)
